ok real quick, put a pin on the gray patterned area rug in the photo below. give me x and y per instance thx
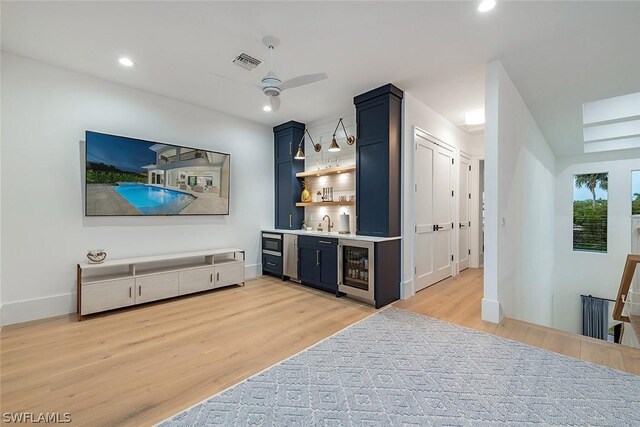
(398, 368)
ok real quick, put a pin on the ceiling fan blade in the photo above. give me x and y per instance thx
(303, 80)
(275, 103)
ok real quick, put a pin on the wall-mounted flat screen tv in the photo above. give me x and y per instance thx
(128, 177)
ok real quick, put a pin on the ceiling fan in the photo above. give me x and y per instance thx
(272, 86)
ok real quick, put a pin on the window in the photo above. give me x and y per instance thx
(635, 192)
(590, 212)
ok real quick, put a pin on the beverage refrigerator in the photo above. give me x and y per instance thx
(356, 269)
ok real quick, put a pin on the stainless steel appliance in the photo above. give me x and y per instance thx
(356, 269)
(272, 244)
(290, 268)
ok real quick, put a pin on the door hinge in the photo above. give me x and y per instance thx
(469, 168)
(451, 257)
(469, 223)
(451, 193)
(469, 195)
(469, 251)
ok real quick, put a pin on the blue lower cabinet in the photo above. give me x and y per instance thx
(309, 269)
(328, 264)
(272, 265)
(318, 258)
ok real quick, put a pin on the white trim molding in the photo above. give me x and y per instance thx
(491, 311)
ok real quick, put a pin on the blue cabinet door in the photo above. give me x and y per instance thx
(283, 195)
(284, 145)
(328, 266)
(372, 188)
(309, 268)
(287, 186)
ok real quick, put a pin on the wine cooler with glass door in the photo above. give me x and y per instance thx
(356, 269)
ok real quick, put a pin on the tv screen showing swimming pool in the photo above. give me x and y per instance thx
(127, 177)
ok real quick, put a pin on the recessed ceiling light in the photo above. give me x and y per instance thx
(266, 108)
(486, 5)
(474, 118)
(125, 61)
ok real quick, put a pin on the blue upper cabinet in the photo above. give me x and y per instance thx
(378, 161)
(288, 187)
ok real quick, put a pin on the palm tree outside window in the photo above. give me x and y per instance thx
(590, 197)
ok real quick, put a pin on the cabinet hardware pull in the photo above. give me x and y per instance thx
(270, 263)
(140, 290)
(290, 220)
(129, 291)
(218, 277)
(289, 148)
(324, 241)
(317, 257)
(211, 279)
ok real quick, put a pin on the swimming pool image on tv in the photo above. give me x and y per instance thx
(151, 200)
(133, 177)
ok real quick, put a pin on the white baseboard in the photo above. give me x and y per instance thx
(58, 305)
(252, 271)
(491, 311)
(406, 289)
(38, 308)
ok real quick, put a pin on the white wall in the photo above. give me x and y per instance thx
(417, 114)
(344, 184)
(519, 230)
(1, 323)
(596, 274)
(45, 113)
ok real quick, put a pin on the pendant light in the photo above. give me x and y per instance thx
(334, 147)
(300, 154)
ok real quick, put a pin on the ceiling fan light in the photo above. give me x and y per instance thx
(334, 145)
(267, 108)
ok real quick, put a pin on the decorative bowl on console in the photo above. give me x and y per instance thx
(96, 256)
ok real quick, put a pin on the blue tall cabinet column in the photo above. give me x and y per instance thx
(288, 187)
(378, 161)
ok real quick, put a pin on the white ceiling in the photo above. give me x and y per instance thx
(558, 53)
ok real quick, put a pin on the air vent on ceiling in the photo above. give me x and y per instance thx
(245, 61)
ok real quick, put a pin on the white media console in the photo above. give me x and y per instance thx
(125, 282)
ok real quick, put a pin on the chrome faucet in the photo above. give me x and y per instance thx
(329, 225)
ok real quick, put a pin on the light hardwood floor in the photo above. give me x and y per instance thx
(458, 300)
(140, 365)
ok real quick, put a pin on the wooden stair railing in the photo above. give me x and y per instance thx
(625, 285)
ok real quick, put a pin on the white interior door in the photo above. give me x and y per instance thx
(433, 213)
(464, 206)
(424, 233)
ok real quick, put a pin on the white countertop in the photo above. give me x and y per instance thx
(333, 235)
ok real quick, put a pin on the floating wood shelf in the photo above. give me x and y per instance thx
(327, 171)
(345, 203)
